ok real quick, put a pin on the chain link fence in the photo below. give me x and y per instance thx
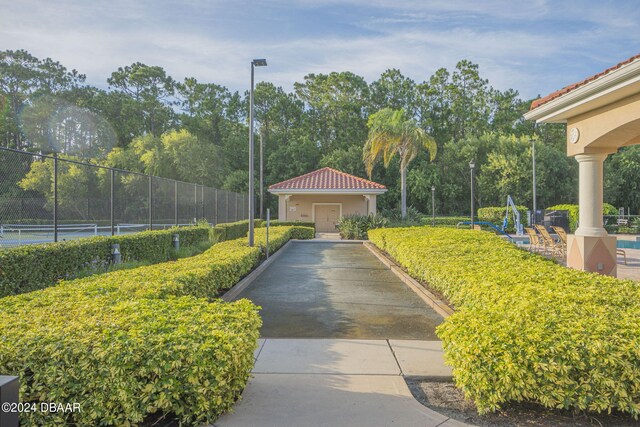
(47, 199)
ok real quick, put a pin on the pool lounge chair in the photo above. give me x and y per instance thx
(551, 246)
(535, 241)
(622, 253)
(562, 235)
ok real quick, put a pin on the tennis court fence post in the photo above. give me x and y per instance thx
(150, 202)
(111, 206)
(175, 200)
(55, 197)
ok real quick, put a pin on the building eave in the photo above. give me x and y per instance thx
(611, 87)
(278, 191)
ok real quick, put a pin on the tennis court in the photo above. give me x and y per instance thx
(12, 235)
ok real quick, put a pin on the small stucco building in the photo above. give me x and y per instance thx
(324, 196)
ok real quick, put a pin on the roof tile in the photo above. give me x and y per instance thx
(327, 179)
(538, 102)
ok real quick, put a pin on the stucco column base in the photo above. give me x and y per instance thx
(592, 253)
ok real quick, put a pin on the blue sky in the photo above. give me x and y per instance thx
(533, 46)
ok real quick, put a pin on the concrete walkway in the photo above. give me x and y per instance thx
(333, 382)
(340, 332)
(323, 289)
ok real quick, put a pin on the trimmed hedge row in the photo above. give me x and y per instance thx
(445, 221)
(232, 230)
(126, 345)
(574, 212)
(526, 328)
(32, 267)
(278, 223)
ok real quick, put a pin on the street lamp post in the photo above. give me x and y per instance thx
(433, 205)
(472, 166)
(533, 158)
(254, 63)
(261, 174)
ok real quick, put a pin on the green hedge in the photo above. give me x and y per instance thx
(574, 212)
(32, 267)
(278, 223)
(445, 221)
(526, 328)
(496, 214)
(232, 230)
(133, 343)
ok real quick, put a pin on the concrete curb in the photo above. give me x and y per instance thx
(430, 299)
(233, 293)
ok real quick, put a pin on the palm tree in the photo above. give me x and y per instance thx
(391, 133)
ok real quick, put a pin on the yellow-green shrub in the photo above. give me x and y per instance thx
(574, 212)
(444, 221)
(27, 268)
(125, 359)
(232, 230)
(526, 328)
(132, 343)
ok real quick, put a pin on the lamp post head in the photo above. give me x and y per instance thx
(259, 62)
(472, 164)
(433, 188)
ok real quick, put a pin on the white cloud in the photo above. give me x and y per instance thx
(97, 37)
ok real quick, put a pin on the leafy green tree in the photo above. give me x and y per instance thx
(391, 133)
(349, 160)
(193, 160)
(434, 107)
(420, 178)
(24, 77)
(238, 181)
(470, 100)
(204, 107)
(507, 113)
(395, 91)
(76, 185)
(622, 178)
(153, 91)
(504, 167)
(121, 111)
(335, 109)
(280, 118)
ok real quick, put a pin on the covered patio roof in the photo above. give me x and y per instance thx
(607, 87)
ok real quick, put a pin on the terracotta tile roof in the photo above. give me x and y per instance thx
(327, 179)
(559, 93)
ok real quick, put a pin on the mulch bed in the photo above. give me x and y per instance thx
(445, 398)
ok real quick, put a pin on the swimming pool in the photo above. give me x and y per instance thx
(621, 244)
(628, 244)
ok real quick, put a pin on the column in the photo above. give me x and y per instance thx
(591, 248)
(370, 200)
(282, 207)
